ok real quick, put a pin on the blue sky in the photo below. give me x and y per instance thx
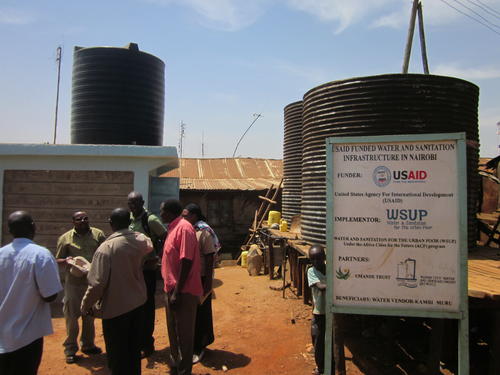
(228, 59)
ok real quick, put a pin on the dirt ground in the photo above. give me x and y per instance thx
(260, 333)
(257, 333)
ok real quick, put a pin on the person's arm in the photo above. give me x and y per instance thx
(207, 250)
(146, 242)
(97, 278)
(314, 281)
(185, 269)
(209, 272)
(61, 251)
(101, 237)
(188, 247)
(50, 298)
(320, 286)
(156, 227)
(47, 277)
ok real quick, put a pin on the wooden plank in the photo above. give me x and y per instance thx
(111, 177)
(88, 188)
(27, 202)
(57, 228)
(267, 199)
(64, 215)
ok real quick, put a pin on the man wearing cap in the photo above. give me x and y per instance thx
(81, 241)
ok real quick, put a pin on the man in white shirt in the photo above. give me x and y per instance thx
(29, 279)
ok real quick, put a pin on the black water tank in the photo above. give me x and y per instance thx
(292, 161)
(383, 105)
(118, 96)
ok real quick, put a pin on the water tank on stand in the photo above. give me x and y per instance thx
(118, 96)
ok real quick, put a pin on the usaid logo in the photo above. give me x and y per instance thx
(381, 176)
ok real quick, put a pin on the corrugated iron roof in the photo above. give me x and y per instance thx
(227, 173)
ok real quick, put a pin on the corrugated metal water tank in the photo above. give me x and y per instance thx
(383, 105)
(118, 96)
(292, 161)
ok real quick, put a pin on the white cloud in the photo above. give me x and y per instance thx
(484, 72)
(382, 13)
(437, 13)
(233, 15)
(11, 16)
(345, 13)
(226, 15)
(311, 74)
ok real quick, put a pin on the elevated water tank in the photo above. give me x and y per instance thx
(118, 96)
(383, 105)
(292, 161)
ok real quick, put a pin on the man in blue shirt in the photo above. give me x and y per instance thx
(29, 279)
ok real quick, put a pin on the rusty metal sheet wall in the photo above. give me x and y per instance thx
(227, 173)
(52, 196)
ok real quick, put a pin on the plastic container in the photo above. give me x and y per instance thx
(244, 255)
(283, 225)
(273, 218)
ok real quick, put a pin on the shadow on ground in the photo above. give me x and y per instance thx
(213, 359)
(96, 364)
(216, 359)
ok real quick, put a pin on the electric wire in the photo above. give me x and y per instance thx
(471, 17)
(483, 8)
(488, 7)
(476, 13)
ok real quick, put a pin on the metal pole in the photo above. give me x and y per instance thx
(409, 40)
(58, 60)
(423, 47)
(257, 115)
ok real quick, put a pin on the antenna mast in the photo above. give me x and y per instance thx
(202, 144)
(181, 137)
(257, 116)
(58, 60)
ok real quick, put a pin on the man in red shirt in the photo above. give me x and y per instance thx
(180, 269)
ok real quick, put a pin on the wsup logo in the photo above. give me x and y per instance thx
(382, 176)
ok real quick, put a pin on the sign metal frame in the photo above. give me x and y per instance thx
(462, 314)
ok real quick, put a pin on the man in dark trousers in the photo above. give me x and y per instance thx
(149, 224)
(180, 269)
(29, 279)
(209, 245)
(116, 285)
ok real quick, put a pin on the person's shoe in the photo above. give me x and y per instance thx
(94, 350)
(198, 357)
(70, 359)
(147, 352)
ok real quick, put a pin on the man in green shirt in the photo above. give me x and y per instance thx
(83, 240)
(149, 224)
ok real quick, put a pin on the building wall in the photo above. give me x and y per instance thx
(52, 197)
(53, 181)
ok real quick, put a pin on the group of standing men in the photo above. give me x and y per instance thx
(119, 287)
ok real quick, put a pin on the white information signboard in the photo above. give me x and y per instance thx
(396, 232)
